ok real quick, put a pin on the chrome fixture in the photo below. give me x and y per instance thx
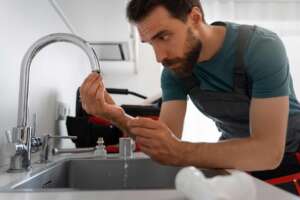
(100, 150)
(73, 150)
(126, 147)
(22, 134)
(44, 156)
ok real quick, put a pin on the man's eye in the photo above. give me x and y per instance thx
(165, 37)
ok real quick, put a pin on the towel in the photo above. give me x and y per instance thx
(195, 186)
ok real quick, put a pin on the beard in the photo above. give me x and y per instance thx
(184, 66)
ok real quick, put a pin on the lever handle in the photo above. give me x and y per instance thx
(62, 137)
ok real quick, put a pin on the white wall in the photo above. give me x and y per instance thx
(292, 44)
(55, 74)
(97, 20)
(57, 70)
(105, 20)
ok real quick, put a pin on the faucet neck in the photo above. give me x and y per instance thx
(29, 56)
(22, 134)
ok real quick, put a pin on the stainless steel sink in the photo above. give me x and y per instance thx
(93, 174)
(110, 174)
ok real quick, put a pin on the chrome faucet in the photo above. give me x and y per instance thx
(44, 156)
(99, 149)
(57, 151)
(22, 134)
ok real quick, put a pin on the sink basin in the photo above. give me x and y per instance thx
(99, 174)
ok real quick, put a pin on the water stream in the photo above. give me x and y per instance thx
(125, 175)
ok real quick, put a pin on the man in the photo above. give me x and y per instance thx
(236, 75)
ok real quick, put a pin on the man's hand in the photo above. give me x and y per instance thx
(156, 140)
(92, 95)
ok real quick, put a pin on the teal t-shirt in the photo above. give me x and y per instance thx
(266, 62)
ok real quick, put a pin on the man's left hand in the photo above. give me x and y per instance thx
(156, 140)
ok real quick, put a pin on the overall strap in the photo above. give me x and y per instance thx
(241, 84)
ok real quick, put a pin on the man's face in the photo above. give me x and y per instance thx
(174, 43)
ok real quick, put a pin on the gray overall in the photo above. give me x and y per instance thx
(230, 110)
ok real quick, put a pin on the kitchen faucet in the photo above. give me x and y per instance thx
(22, 135)
(99, 149)
(44, 155)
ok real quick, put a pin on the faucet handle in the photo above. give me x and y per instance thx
(45, 142)
(44, 156)
(36, 143)
(62, 137)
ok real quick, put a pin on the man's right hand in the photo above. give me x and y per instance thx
(96, 101)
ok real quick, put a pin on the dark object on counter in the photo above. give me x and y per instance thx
(88, 132)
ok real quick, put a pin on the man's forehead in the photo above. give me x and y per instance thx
(153, 23)
(148, 30)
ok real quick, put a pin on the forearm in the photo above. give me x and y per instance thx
(246, 154)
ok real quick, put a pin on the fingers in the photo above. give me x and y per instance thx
(86, 82)
(143, 142)
(94, 85)
(144, 145)
(88, 91)
(143, 122)
(100, 92)
(89, 85)
(146, 150)
(142, 132)
(152, 154)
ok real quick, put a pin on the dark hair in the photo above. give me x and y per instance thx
(137, 10)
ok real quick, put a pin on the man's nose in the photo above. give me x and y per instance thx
(160, 55)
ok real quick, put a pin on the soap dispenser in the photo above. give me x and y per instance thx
(100, 148)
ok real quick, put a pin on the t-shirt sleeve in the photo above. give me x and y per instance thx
(267, 66)
(172, 88)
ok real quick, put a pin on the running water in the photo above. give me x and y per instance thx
(125, 175)
(125, 150)
(125, 167)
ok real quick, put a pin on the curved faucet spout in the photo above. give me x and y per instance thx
(30, 54)
(22, 134)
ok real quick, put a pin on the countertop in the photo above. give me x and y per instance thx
(264, 191)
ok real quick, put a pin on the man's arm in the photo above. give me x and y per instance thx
(263, 150)
(172, 114)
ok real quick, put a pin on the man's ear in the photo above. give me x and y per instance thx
(195, 16)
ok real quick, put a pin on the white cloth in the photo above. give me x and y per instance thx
(195, 186)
